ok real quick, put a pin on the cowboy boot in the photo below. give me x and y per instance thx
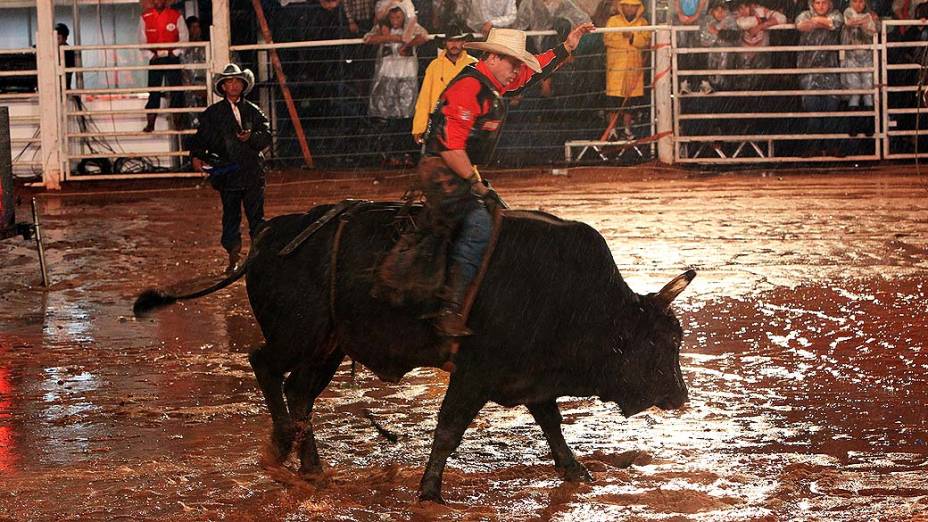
(234, 255)
(450, 322)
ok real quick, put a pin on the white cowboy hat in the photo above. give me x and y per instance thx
(509, 42)
(232, 70)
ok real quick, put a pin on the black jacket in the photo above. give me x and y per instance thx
(216, 138)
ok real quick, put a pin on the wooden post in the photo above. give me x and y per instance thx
(662, 98)
(282, 80)
(220, 35)
(47, 59)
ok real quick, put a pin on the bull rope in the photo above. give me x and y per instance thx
(333, 262)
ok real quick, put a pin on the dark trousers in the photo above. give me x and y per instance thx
(252, 199)
(824, 125)
(172, 77)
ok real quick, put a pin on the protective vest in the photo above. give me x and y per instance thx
(161, 27)
(481, 142)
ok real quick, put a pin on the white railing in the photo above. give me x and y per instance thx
(743, 135)
(904, 107)
(746, 131)
(611, 144)
(101, 127)
(25, 143)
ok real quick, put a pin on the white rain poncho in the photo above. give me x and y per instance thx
(819, 59)
(395, 85)
(500, 13)
(539, 15)
(858, 35)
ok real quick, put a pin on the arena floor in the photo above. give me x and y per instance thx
(805, 352)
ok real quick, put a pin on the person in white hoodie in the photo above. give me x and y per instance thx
(754, 20)
(859, 28)
(393, 90)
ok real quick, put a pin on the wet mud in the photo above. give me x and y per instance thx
(805, 352)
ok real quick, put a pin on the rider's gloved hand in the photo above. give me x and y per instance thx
(490, 196)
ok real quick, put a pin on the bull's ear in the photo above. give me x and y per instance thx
(672, 289)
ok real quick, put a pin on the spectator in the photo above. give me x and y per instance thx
(158, 25)
(383, 7)
(604, 10)
(194, 56)
(327, 21)
(754, 21)
(393, 92)
(318, 76)
(683, 13)
(424, 14)
(859, 28)
(546, 15)
(905, 10)
(442, 69)
(820, 25)
(718, 28)
(447, 14)
(625, 61)
(70, 57)
(484, 15)
(360, 14)
(687, 12)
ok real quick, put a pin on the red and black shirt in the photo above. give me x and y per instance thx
(470, 112)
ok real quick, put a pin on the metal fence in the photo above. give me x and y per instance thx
(758, 116)
(330, 82)
(103, 127)
(762, 114)
(753, 114)
(22, 98)
(904, 105)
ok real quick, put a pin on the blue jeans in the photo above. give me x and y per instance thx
(472, 240)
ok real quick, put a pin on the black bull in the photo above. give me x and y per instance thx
(553, 318)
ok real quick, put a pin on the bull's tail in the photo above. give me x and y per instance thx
(155, 298)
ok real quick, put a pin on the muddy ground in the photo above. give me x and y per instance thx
(805, 352)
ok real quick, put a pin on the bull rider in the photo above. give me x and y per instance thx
(463, 131)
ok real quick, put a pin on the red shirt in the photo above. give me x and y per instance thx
(461, 108)
(163, 26)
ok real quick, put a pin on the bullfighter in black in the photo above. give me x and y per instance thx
(228, 148)
(463, 131)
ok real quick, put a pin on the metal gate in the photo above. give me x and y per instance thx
(101, 125)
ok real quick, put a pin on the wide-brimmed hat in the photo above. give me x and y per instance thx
(232, 70)
(508, 42)
(630, 2)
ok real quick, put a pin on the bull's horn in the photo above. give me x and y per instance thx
(672, 289)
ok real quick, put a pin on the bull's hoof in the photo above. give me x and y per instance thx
(431, 496)
(311, 472)
(577, 473)
(281, 444)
